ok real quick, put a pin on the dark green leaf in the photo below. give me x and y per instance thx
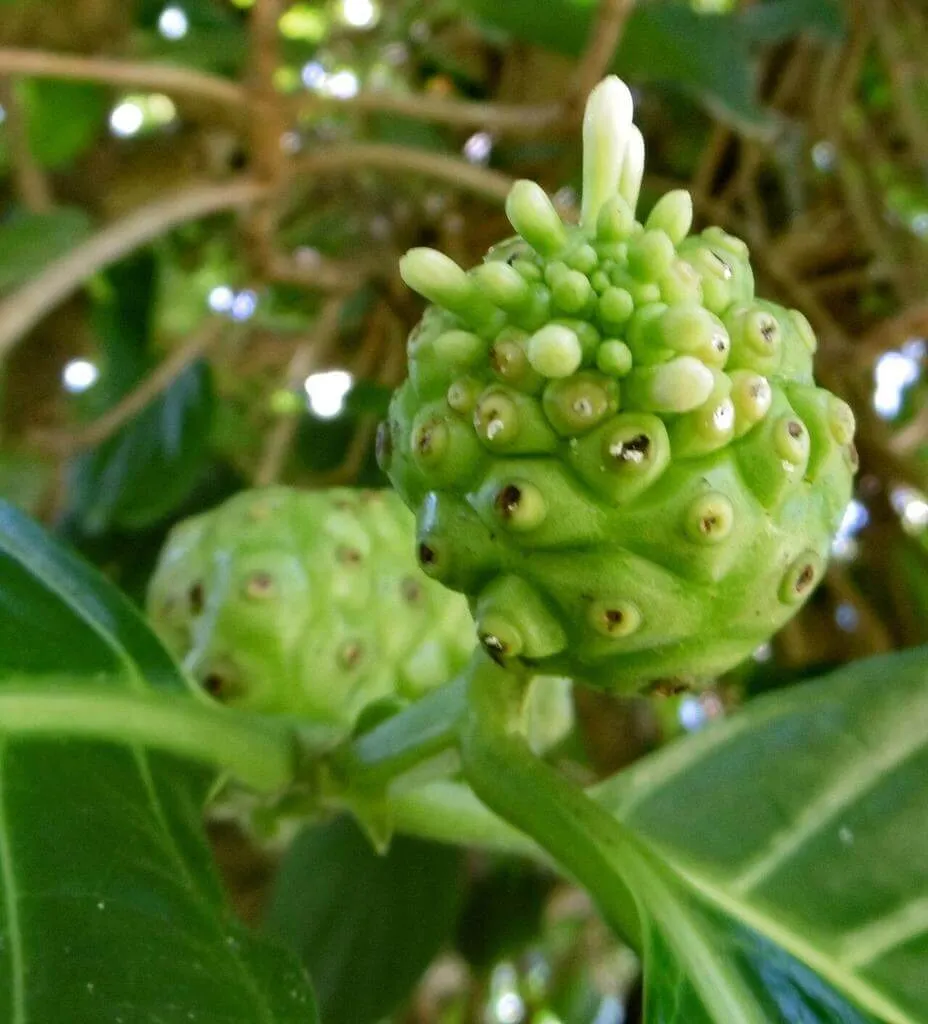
(145, 471)
(662, 42)
(110, 909)
(65, 119)
(149, 468)
(30, 241)
(776, 20)
(365, 925)
(791, 844)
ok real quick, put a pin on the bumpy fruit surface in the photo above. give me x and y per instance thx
(307, 603)
(614, 448)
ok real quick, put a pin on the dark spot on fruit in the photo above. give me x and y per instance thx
(350, 655)
(260, 584)
(494, 647)
(507, 501)
(427, 555)
(724, 265)
(214, 684)
(795, 430)
(805, 579)
(424, 440)
(197, 598)
(636, 450)
(709, 523)
(348, 556)
(411, 590)
(768, 330)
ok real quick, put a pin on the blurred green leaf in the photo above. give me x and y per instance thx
(777, 20)
(366, 926)
(30, 241)
(65, 119)
(24, 479)
(707, 56)
(150, 466)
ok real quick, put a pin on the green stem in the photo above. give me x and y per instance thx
(421, 732)
(589, 844)
(260, 753)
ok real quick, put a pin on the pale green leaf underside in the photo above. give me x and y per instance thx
(805, 820)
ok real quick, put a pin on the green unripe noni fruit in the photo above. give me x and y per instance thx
(308, 603)
(658, 479)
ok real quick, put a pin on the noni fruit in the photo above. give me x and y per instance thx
(613, 447)
(307, 603)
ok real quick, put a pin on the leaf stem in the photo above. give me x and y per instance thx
(423, 731)
(590, 845)
(261, 753)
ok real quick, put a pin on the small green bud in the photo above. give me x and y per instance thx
(439, 279)
(509, 361)
(615, 221)
(519, 506)
(692, 330)
(682, 384)
(650, 255)
(614, 357)
(508, 421)
(555, 351)
(533, 215)
(791, 440)
(673, 214)
(624, 456)
(582, 258)
(463, 394)
(841, 420)
(572, 292)
(512, 611)
(615, 308)
(503, 286)
(756, 340)
(680, 284)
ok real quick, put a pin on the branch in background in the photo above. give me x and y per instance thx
(266, 127)
(499, 118)
(129, 74)
(493, 185)
(307, 356)
(22, 310)
(600, 49)
(29, 180)
(322, 274)
(161, 378)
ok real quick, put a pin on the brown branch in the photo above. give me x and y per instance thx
(600, 49)
(493, 185)
(25, 308)
(306, 357)
(157, 382)
(129, 74)
(29, 180)
(499, 118)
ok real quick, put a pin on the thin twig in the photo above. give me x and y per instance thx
(26, 307)
(499, 118)
(306, 357)
(601, 46)
(131, 74)
(357, 156)
(155, 384)
(29, 179)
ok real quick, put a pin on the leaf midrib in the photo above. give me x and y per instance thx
(11, 906)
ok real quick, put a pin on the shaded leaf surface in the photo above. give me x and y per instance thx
(110, 909)
(366, 925)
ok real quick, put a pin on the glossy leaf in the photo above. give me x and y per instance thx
(110, 909)
(793, 841)
(366, 925)
(149, 467)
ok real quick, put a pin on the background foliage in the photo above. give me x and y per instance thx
(203, 204)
